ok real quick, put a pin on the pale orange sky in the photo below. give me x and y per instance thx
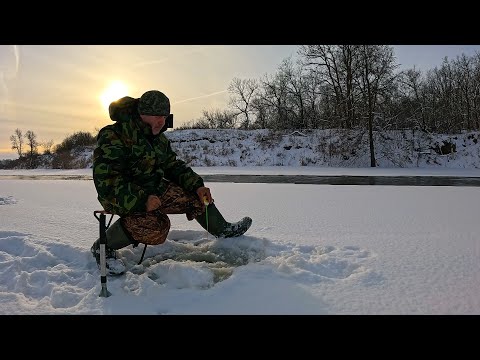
(55, 90)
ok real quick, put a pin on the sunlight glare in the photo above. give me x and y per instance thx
(115, 91)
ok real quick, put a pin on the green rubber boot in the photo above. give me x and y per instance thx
(216, 225)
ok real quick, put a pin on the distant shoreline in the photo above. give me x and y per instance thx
(277, 170)
(300, 179)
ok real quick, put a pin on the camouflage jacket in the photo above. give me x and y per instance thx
(129, 163)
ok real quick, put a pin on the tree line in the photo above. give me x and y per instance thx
(60, 156)
(354, 87)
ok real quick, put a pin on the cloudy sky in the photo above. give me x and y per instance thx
(56, 90)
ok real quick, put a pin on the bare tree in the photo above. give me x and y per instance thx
(312, 95)
(47, 146)
(335, 64)
(464, 72)
(261, 116)
(476, 90)
(296, 93)
(414, 102)
(275, 99)
(33, 145)
(218, 119)
(243, 92)
(377, 65)
(17, 142)
(446, 87)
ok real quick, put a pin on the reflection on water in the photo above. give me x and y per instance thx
(301, 179)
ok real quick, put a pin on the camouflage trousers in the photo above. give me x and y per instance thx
(152, 227)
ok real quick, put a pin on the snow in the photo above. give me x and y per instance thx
(312, 249)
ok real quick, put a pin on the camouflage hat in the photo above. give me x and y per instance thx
(154, 102)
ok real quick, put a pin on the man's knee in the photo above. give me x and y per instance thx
(149, 228)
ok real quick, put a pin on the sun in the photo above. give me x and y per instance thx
(115, 91)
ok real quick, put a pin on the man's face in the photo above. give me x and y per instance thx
(156, 122)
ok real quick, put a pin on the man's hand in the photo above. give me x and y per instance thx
(204, 195)
(153, 203)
